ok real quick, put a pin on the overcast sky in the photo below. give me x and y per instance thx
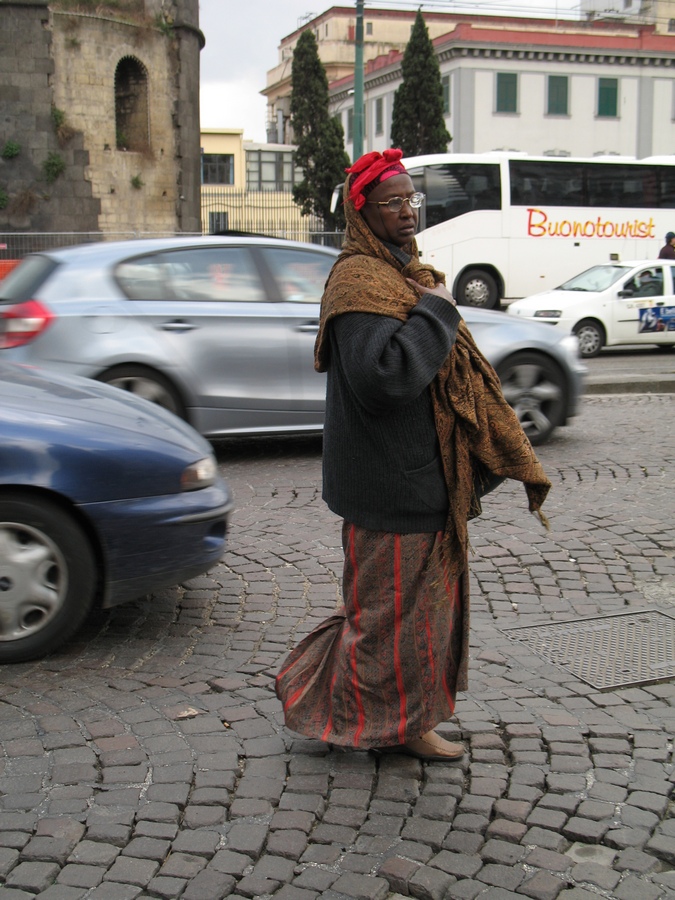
(243, 36)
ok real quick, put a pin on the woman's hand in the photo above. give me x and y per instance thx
(439, 290)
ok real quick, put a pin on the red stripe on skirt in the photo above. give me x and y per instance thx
(455, 600)
(287, 669)
(293, 697)
(329, 724)
(357, 629)
(448, 693)
(430, 655)
(398, 607)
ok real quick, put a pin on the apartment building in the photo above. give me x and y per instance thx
(335, 31)
(602, 84)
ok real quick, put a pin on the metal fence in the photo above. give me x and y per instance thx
(270, 213)
(16, 245)
(224, 210)
(256, 212)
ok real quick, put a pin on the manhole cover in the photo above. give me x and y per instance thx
(607, 651)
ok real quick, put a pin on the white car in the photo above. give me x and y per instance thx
(610, 304)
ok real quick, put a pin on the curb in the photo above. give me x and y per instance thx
(628, 384)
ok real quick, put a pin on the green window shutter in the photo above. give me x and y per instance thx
(379, 116)
(445, 84)
(507, 92)
(557, 95)
(608, 91)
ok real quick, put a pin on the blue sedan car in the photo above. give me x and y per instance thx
(104, 497)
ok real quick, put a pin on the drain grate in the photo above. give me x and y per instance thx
(607, 652)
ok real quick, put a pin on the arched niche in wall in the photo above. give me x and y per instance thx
(131, 105)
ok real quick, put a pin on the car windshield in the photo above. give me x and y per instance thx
(599, 278)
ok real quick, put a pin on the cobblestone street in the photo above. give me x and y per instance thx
(149, 759)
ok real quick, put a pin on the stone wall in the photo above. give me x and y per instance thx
(27, 73)
(187, 121)
(53, 57)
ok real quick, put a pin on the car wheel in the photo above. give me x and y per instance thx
(537, 390)
(477, 288)
(47, 577)
(591, 337)
(148, 384)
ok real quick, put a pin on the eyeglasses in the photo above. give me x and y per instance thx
(395, 204)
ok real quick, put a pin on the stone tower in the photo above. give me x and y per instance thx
(99, 116)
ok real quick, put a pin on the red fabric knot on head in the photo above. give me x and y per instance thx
(370, 170)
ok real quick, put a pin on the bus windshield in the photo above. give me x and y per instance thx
(599, 278)
(454, 188)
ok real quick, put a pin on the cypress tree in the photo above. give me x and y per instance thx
(417, 124)
(320, 139)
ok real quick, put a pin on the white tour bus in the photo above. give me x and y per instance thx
(506, 225)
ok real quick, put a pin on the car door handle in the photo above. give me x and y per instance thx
(177, 325)
(311, 327)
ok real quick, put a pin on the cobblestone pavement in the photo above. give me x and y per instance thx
(149, 759)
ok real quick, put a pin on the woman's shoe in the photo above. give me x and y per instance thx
(434, 748)
(431, 747)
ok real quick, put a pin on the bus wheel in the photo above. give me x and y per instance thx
(591, 336)
(478, 288)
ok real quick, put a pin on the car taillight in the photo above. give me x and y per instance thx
(22, 323)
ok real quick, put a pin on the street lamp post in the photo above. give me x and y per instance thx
(358, 83)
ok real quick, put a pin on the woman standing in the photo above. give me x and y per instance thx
(412, 410)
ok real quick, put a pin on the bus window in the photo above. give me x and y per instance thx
(542, 183)
(666, 177)
(618, 186)
(595, 184)
(453, 189)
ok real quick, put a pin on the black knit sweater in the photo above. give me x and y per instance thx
(381, 462)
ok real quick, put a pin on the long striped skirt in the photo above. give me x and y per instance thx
(384, 669)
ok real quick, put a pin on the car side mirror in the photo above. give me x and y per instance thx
(626, 292)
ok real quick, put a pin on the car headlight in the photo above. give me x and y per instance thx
(199, 474)
(548, 314)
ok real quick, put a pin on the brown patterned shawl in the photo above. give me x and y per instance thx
(473, 420)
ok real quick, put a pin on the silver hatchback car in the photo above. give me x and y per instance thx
(221, 330)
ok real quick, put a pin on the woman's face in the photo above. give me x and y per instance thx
(395, 227)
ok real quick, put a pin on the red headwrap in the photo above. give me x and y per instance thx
(369, 170)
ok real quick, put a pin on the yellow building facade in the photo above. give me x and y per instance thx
(247, 187)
